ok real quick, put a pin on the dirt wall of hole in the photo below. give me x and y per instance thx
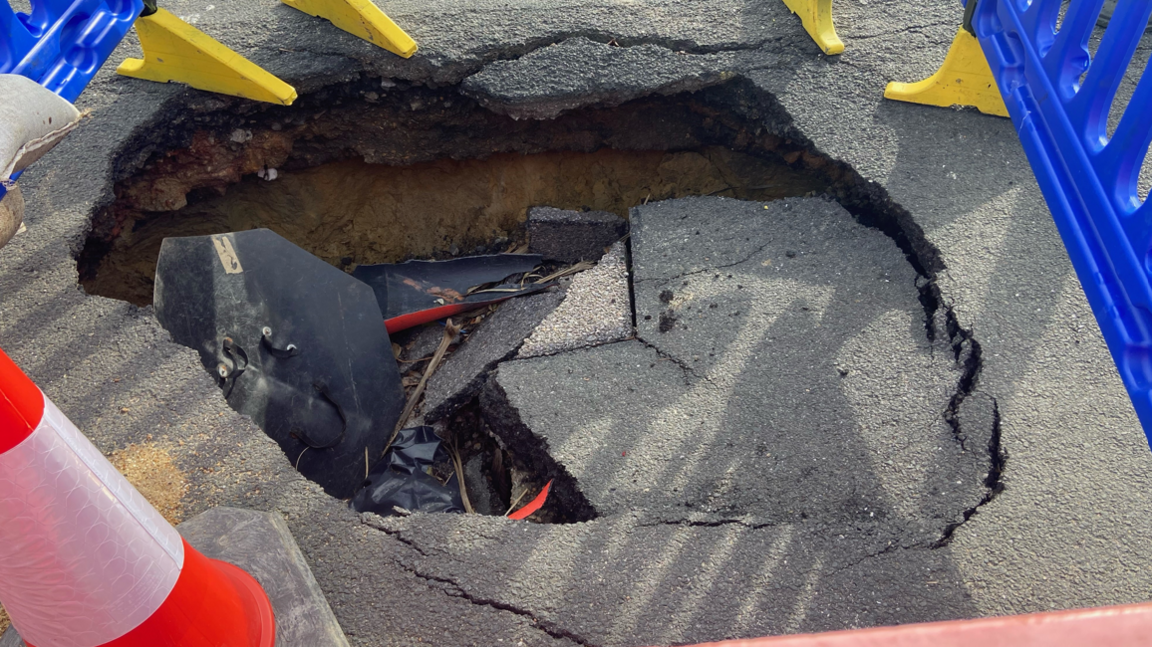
(365, 178)
(354, 212)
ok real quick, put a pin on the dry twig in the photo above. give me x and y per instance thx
(460, 476)
(579, 267)
(516, 502)
(450, 332)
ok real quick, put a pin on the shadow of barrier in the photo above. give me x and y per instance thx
(1030, 62)
(1122, 626)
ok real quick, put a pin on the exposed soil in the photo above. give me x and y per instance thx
(366, 178)
(150, 469)
(355, 212)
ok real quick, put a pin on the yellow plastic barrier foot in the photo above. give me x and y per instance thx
(964, 80)
(362, 19)
(177, 51)
(817, 18)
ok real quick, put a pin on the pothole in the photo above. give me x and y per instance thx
(371, 172)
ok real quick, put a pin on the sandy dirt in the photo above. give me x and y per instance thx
(151, 470)
(371, 213)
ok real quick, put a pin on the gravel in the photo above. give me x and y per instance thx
(597, 310)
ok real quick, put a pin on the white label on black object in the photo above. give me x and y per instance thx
(227, 255)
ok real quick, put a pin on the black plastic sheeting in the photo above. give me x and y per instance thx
(438, 289)
(295, 343)
(401, 479)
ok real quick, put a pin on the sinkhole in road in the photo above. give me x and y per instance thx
(375, 171)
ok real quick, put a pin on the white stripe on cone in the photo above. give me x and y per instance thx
(84, 559)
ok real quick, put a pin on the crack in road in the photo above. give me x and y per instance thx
(713, 268)
(687, 370)
(681, 46)
(993, 481)
(455, 589)
(689, 523)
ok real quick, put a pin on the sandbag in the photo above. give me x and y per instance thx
(11, 214)
(32, 121)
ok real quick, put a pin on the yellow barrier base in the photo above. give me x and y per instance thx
(177, 51)
(964, 80)
(362, 19)
(817, 18)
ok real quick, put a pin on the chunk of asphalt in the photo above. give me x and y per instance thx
(788, 389)
(496, 339)
(532, 448)
(572, 236)
(480, 492)
(419, 343)
(597, 310)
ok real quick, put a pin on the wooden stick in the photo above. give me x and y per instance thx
(451, 330)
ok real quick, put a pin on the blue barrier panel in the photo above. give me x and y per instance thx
(61, 44)
(1089, 180)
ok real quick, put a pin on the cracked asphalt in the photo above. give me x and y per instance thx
(1055, 498)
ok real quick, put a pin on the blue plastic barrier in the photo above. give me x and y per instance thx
(1089, 180)
(61, 44)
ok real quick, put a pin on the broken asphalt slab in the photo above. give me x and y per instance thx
(495, 339)
(783, 390)
(597, 309)
(951, 187)
(572, 236)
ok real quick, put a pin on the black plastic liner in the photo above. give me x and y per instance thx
(401, 479)
(417, 292)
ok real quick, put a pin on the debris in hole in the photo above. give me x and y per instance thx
(572, 236)
(533, 506)
(293, 342)
(418, 344)
(597, 310)
(484, 497)
(496, 339)
(451, 330)
(404, 477)
(458, 463)
(418, 292)
(268, 174)
(569, 503)
(667, 321)
(487, 469)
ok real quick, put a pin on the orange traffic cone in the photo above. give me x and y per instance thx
(85, 561)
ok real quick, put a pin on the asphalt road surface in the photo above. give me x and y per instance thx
(874, 425)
